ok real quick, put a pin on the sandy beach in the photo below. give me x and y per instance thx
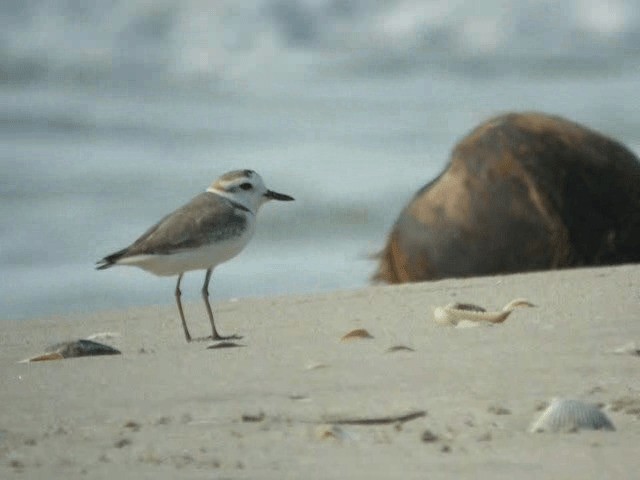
(295, 401)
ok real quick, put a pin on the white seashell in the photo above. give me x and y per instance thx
(566, 415)
(468, 324)
(335, 432)
(454, 313)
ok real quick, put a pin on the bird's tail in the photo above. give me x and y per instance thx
(110, 260)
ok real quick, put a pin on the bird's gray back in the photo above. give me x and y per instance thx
(205, 219)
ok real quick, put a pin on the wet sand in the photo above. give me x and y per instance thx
(293, 400)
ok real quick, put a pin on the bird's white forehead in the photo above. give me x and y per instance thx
(235, 177)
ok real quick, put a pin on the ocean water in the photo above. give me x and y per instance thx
(114, 113)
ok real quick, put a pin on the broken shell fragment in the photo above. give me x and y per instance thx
(335, 432)
(221, 345)
(315, 366)
(358, 333)
(566, 415)
(103, 336)
(73, 349)
(454, 313)
(399, 348)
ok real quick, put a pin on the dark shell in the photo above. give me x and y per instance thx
(221, 345)
(82, 348)
(358, 333)
(74, 348)
(522, 192)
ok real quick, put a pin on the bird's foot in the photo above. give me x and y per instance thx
(225, 337)
(218, 338)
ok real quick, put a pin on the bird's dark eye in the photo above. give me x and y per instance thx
(246, 186)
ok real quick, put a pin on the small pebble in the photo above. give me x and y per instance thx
(428, 437)
(497, 410)
(123, 442)
(249, 417)
(133, 426)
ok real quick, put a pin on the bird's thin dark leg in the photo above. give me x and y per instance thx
(184, 323)
(205, 297)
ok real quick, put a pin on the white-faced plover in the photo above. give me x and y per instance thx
(212, 228)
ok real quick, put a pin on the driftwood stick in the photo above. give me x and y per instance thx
(376, 420)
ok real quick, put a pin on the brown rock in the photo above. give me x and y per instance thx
(522, 192)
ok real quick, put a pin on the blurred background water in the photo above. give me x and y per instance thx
(113, 113)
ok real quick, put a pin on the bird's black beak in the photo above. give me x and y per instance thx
(277, 196)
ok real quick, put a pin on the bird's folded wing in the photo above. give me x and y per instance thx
(204, 219)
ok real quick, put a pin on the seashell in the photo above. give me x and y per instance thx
(356, 334)
(73, 349)
(469, 307)
(44, 357)
(316, 366)
(399, 348)
(454, 313)
(566, 415)
(224, 345)
(467, 324)
(103, 336)
(335, 432)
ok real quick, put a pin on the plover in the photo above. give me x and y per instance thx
(212, 228)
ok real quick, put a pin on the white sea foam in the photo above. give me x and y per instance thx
(232, 45)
